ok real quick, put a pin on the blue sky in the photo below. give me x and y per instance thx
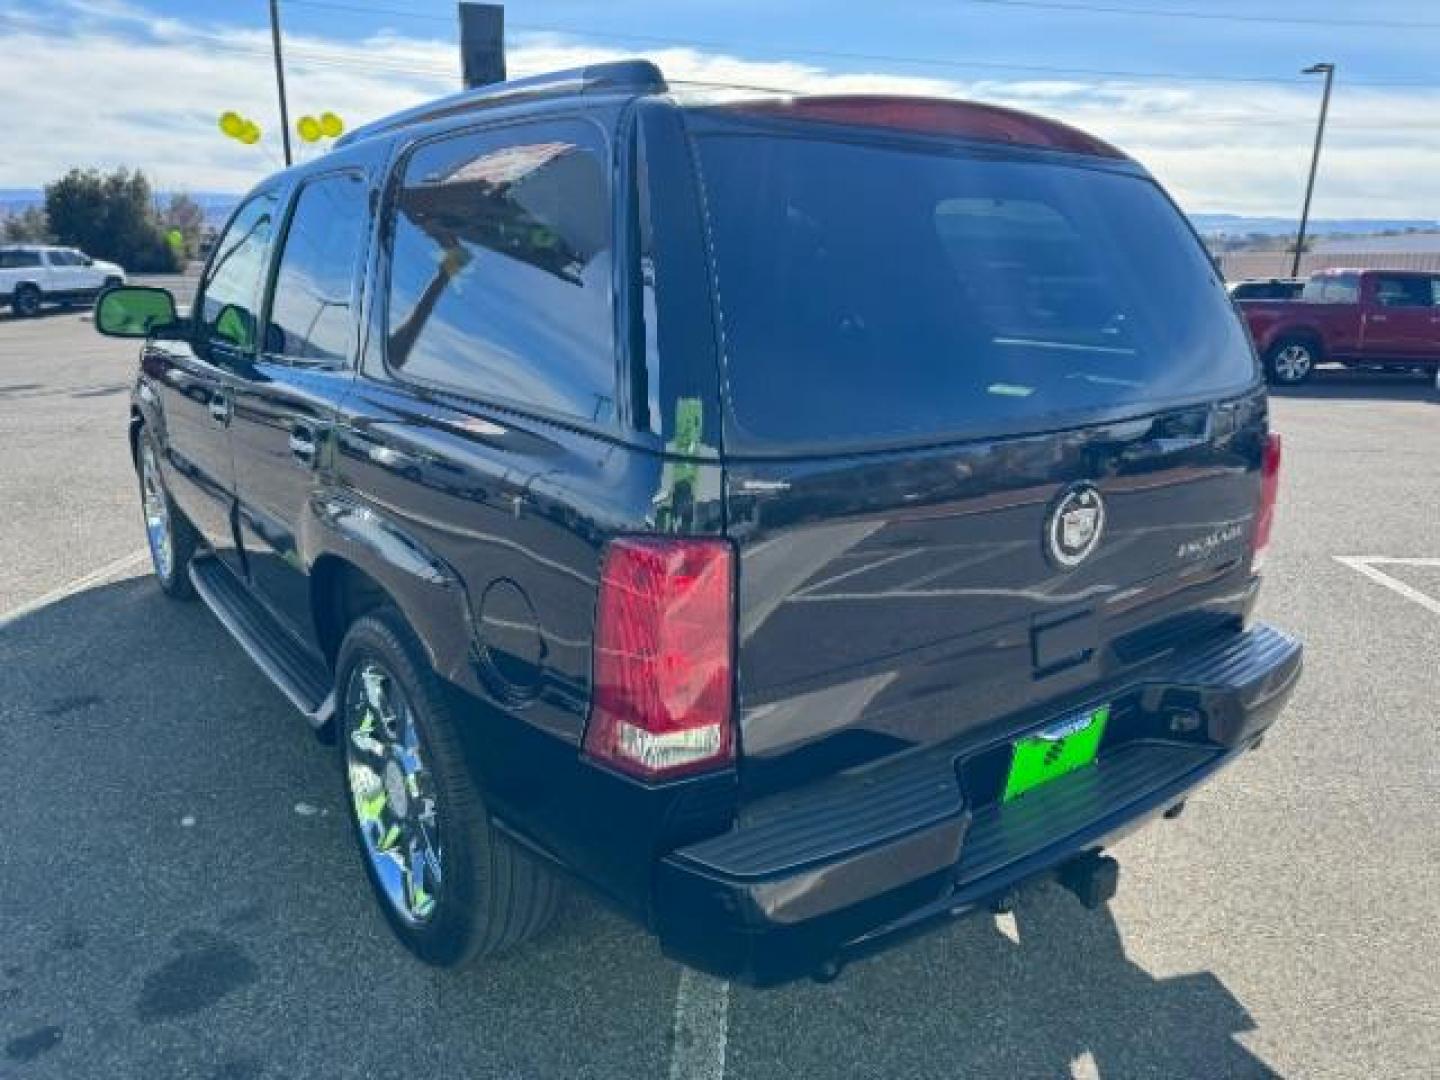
(1227, 128)
(951, 30)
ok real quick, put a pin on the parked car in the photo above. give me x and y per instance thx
(33, 275)
(1385, 318)
(796, 567)
(1266, 289)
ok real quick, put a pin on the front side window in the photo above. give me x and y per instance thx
(311, 316)
(500, 282)
(1332, 289)
(1342, 289)
(230, 293)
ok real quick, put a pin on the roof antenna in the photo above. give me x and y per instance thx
(482, 43)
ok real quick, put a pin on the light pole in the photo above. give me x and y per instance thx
(1328, 70)
(280, 77)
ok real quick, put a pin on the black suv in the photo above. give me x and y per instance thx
(799, 519)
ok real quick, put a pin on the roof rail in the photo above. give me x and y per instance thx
(636, 76)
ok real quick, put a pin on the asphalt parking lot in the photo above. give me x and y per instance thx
(178, 896)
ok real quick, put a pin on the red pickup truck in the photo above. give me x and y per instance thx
(1383, 317)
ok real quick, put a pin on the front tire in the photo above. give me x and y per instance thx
(451, 887)
(26, 302)
(1291, 361)
(171, 539)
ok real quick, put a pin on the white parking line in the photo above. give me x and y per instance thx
(1366, 565)
(702, 1018)
(95, 577)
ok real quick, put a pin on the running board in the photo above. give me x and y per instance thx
(297, 674)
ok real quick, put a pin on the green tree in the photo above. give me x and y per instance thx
(29, 226)
(111, 216)
(187, 217)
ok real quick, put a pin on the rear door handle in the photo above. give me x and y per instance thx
(220, 407)
(1378, 318)
(302, 445)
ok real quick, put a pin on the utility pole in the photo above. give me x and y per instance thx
(280, 78)
(1328, 70)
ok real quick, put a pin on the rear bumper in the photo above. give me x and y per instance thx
(850, 869)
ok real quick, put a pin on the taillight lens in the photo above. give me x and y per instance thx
(1269, 489)
(663, 628)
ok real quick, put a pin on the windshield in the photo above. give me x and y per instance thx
(873, 293)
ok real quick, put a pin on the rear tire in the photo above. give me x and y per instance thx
(26, 301)
(451, 887)
(172, 540)
(1291, 361)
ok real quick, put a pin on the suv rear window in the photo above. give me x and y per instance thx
(15, 260)
(891, 292)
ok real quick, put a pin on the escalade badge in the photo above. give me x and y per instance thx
(1075, 525)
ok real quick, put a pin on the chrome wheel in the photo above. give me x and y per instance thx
(1293, 363)
(392, 791)
(157, 515)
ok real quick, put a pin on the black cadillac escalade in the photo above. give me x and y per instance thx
(799, 519)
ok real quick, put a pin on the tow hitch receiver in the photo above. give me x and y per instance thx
(1093, 878)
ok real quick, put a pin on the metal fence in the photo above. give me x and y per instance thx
(1240, 265)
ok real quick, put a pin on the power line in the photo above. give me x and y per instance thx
(1046, 5)
(368, 61)
(1210, 16)
(831, 54)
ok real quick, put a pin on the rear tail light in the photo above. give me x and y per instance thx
(1269, 489)
(663, 664)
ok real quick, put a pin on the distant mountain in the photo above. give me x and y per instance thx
(1408, 242)
(218, 205)
(1238, 225)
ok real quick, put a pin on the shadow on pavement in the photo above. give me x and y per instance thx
(180, 897)
(49, 312)
(969, 1000)
(1337, 382)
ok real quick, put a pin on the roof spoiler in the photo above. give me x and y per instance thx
(618, 76)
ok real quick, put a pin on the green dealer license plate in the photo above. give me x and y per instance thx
(1059, 749)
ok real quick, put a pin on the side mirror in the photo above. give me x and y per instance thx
(86, 260)
(235, 326)
(136, 311)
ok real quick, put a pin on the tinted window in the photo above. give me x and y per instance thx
(933, 293)
(310, 310)
(1332, 289)
(1404, 291)
(14, 260)
(231, 289)
(501, 276)
(1265, 290)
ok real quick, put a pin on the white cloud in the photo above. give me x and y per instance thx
(97, 82)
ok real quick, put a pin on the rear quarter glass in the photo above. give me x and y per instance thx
(891, 292)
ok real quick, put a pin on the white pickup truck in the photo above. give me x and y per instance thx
(34, 274)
